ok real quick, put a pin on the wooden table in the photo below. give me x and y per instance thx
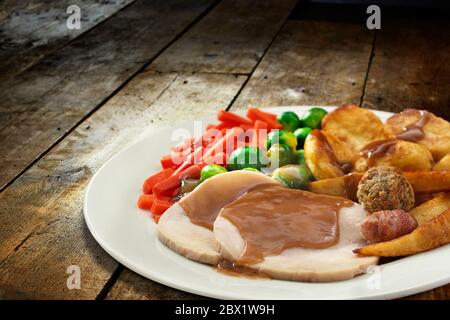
(70, 99)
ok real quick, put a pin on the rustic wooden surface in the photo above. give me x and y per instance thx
(29, 30)
(78, 98)
(41, 105)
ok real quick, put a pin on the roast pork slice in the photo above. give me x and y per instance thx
(175, 228)
(335, 263)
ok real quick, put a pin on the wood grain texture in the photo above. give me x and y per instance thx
(31, 29)
(441, 293)
(43, 231)
(410, 67)
(302, 68)
(42, 104)
(230, 39)
(131, 286)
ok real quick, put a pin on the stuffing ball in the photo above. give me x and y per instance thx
(385, 188)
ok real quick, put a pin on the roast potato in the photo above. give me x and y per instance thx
(443, 164)
(404, 155)
(429, 235)
(436, 130)
(320, 157)
(353, 125)
(431, 209)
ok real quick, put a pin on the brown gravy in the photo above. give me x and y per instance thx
(414, 131)
(376, 150)
(273, 218)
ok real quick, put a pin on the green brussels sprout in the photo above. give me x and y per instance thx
(300, 159)
(282, 137)
(251, 169)
(295, 176)
(301, 134)
(211, 170)
(313, 117)
(289, 120)
(247, 157)
(279, 155)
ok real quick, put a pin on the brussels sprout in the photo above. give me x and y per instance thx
(313, 117)
(289, 120)
(279, 155)
(294, 176)
(247, 157)
(282, 137)
(301, 134)
(251, 169)
(211, 170)
(300, 159)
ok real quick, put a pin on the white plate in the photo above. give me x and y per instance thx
(128, 235)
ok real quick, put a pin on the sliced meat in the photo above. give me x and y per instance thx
(185, 228)
(334, 263)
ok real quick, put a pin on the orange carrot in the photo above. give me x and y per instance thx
(193, 158)
(246, 126)
(226, 125)
(225, 144)
(167, 186)
(230, 117)
(256, 114)
(192, 172)
(219, 158)
(210, 126)
(168, 162)
(260, 135)
(154, 179)
(160, 205)
(145, 201)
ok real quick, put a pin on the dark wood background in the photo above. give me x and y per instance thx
(70, 99)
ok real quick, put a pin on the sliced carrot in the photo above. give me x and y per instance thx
(219, 158)
(260, 135)
(246, 126)
(194, 158)
(256, 114)
(225, 144)
(159, 206)
(210, 126)
(226, 125)
(168, 162)
(154, 179)
(192, 172)
(175, 192)
(226, 116)
(145, 201)
(166, 187)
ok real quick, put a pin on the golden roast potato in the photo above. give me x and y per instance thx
(404, 155)
(436, 130)
(354, 126)
(443, 164)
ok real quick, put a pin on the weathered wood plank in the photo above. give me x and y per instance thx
(29, 30)
(230, 39)
(42, 104)
(302, 68)
(43, 230)
(410, 67)
(132, 286)
(441, 293)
